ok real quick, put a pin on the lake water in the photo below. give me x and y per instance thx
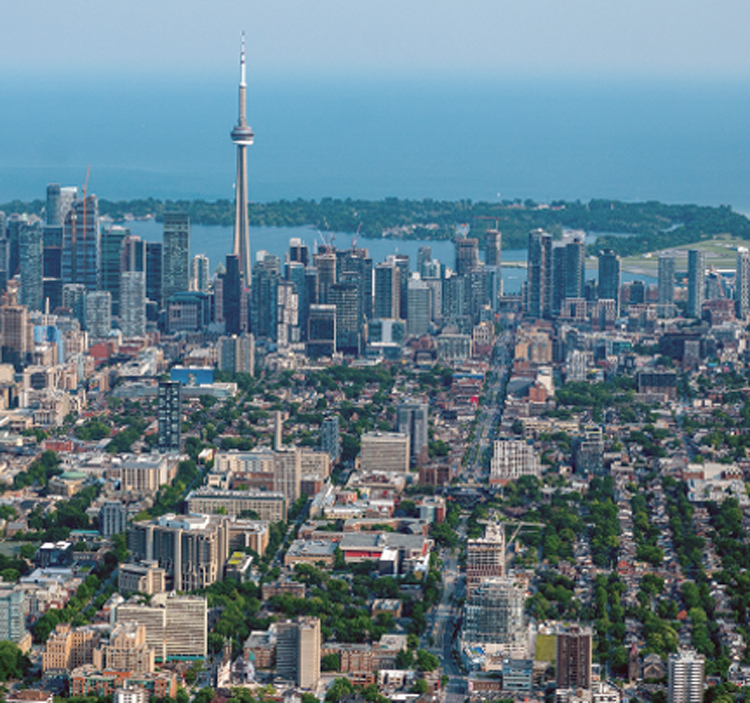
(480, 139)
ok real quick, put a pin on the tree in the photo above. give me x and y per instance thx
(404, 659)
(13, 663)
(420, 686)
(427, 661)
(340, 688)
(330, 662)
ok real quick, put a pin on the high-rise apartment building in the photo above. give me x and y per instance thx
(569, 273)
(81, 244)
(176, 626)
(13, 615)
(387, 302)
(31, 262)
(539, 281)
(419, 309)
(511, 459)
(346, 298)
(609, 278)
(385, 451)
(413, 420)
(98, 313)
(330, 437)
(696, 282)
(574, 657)
(170, 416)
(16, 333)
(176, 254)
(356, 267)
(113, 518)
(401, 261)
(133, 303)
(237, 354)
(665, 280)
(686, 669)
(74, 298)
(742, 283)
(154, 268)
(199, 273)
(298, 651)
(493, 248)
(264, 296)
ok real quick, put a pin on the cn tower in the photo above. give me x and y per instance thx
(242, 136)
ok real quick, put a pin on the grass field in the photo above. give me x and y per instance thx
(545, 649)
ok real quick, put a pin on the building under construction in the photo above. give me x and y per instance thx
(494, 617)
(485, 557)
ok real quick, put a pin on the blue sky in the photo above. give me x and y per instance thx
(637, 38)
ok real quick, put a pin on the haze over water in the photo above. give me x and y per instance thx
(540, 139)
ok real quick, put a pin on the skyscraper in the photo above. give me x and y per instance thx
(12, 618)
(493, 246)
(665, 285)
(32, 263)
(387, 301)
(696, 282)
(170, 416)
(539, 288)
(574, 657)
(424, 258)
(345, 296)
(59, 201)
(81, 242)
(686, 672)
(110, 263)
(298, 651)
(176, 254)
(467, 254)
(742, 283)
(413, 419)
(199, 273)
(231, 292)
(609, 277)
(419, 311)
(325, 263)
(133, 304)
(98, 313)
(154, 273)
(74, 298)
(242, 136)
(402, 263)
(330, 437)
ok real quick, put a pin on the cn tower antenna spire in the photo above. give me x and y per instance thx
(242, 136)
(242, 61)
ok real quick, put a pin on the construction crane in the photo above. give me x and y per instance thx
(355, 238)
(518, 524)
